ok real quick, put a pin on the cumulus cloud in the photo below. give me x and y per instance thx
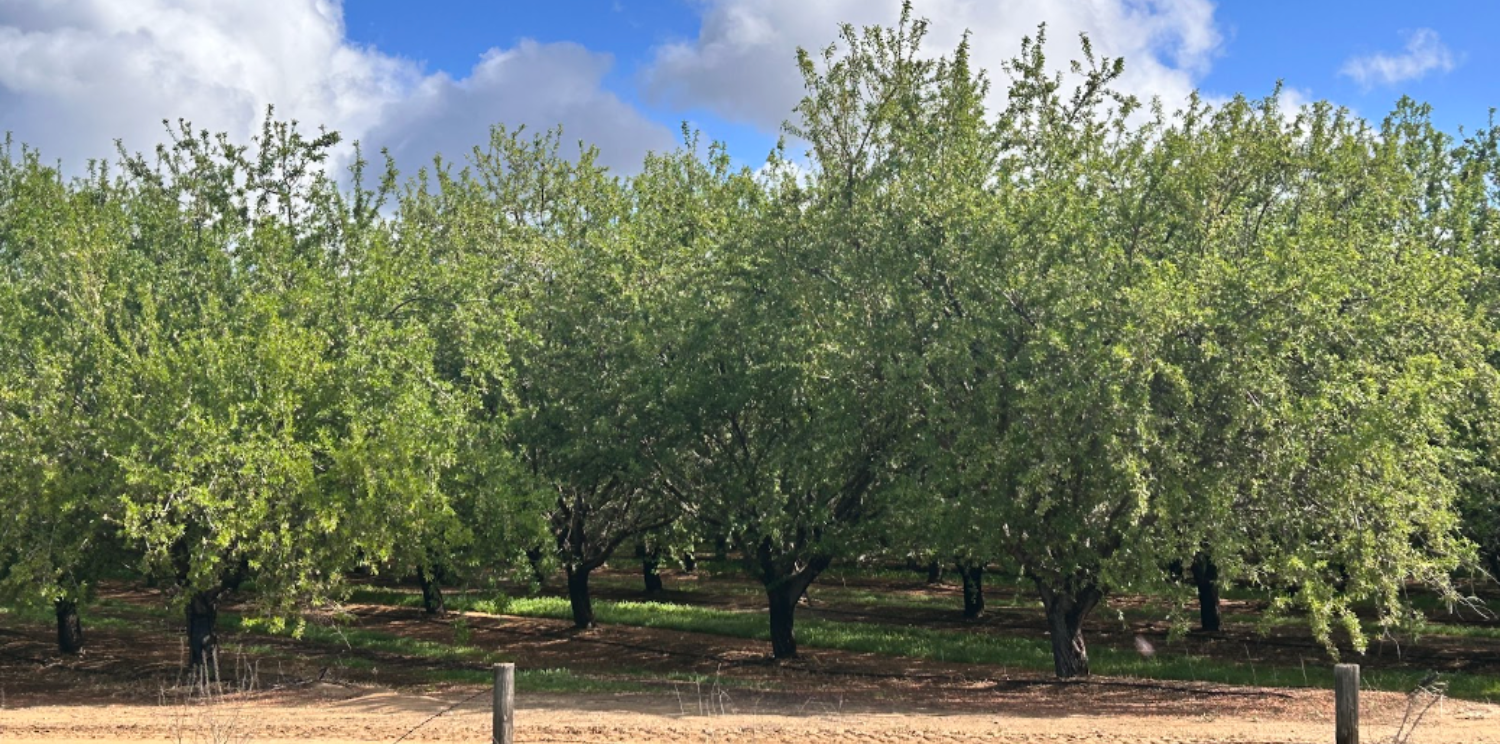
(1425, 52)
(76, 76)
(450, 116)
(741, 65)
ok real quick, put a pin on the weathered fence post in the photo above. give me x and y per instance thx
(1346, 703)
(505, 704)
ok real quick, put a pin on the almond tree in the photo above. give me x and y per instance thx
(1163, 352)
(1119, 345)
(276, 421)
(802, 379)
(1470, 190)
(59, 259)
(594, 259)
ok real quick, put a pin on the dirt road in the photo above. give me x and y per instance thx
(691, 715)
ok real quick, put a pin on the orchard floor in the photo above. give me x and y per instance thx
(125, 689)
(1077, 713)
(623, 683)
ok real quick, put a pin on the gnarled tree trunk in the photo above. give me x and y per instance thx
(1206, 576)
(784, 587)
(1067, 607)
(783, 603)
(650, 567)
(934, 572)
(534, 557)
(973, 576)
(432, 593)
(69, 628)
(578, 595)
(202, 621)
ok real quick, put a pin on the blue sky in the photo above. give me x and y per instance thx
(1261, 43)
(423, 78)
(1307, 44)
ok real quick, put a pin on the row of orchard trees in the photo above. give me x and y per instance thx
(1086, 338)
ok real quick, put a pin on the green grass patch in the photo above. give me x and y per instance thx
(634, 583)
(569, 681)
(1028, 653)
(1033, 654)
(455, 601)
(536, 680)
(26, 614)
(35, 616)
(362, 639)
(1448, 630)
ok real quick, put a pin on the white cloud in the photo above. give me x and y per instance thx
(1293, 100)
(538, 85)
(742, 65)
(76, 76)
(1425, 52)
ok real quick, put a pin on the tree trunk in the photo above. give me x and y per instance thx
(650, 569)
(934, 572)
(432, 594)
(721, 548)
(689, 561)
(202, 617)
(783, 590)
(973, 576)
(1066, 610)
(783, 602)
(69, 629)
(534, 557)
(578, 596)
(1206, 576)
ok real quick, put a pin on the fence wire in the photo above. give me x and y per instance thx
(439, 714)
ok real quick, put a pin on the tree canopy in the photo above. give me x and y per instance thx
(1091, 339)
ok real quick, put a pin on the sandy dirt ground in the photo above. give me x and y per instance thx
(1074, 713)
(123, 688)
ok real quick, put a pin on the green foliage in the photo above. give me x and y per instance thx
(59, 292)
(276, 420)
(1145, 331)
(226, 388)
(587, 371)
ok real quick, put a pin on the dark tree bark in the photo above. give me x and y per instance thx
(589, 525)
(534, 557)
(69, 628)
(578, 596)
(721, 548)
(783, 603)
(432, 593)
(689, 561)
(202, 621)
(1206, 576)
(650, 568)
(1067, 607)
(785, 585)
(973, 576)
(934, 572)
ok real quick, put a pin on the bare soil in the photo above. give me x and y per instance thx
(127, 685)
(338, 713)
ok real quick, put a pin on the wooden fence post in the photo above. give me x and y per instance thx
(505, 704)
(1346, 703)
